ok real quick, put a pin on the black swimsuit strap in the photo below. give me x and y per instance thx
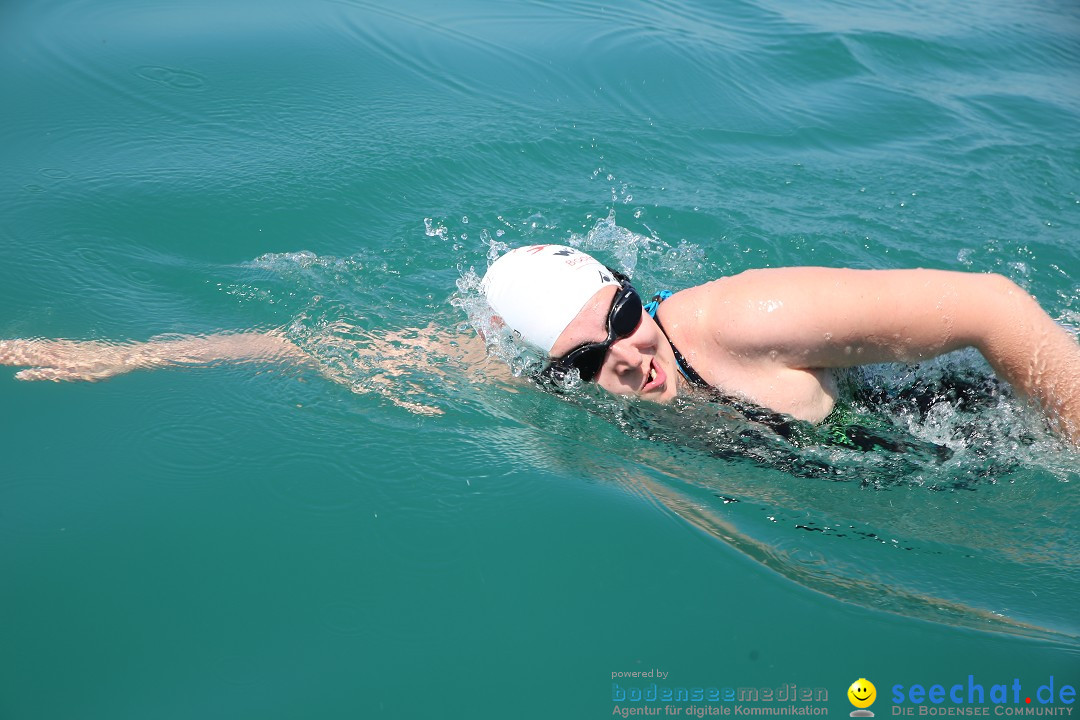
(684, 367)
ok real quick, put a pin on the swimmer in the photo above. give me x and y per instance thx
(772, 337)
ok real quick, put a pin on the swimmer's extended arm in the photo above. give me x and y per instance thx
(73, 360)
(823, 317)
(376, 363)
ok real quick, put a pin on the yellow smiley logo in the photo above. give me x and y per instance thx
(862, 693)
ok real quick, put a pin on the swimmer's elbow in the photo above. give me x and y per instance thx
(990, 311)
(1022, 342)
(1004, 287)
(1011, 305)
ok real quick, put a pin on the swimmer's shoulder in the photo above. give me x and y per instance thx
(740, 287)
(714, 304)
(694, 318)
(732, 313)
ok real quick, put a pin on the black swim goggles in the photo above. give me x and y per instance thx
(588, 358)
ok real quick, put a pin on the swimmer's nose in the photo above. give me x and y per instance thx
(625, 355)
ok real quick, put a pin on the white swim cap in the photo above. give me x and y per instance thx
(539, 289)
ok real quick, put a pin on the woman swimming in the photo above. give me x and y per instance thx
(774, 337)
(771, 338)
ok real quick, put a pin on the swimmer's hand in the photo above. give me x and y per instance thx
(91, 361)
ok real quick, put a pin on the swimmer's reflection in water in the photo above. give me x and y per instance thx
(770, 341)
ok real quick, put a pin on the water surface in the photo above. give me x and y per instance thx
(419, 537)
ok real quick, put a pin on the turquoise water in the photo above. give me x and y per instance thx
(408, 534)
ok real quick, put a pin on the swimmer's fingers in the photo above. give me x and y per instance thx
(63, 375)
(54, 374)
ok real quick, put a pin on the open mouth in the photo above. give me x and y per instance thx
(654, 378)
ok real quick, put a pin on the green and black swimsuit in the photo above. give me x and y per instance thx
(843, 425)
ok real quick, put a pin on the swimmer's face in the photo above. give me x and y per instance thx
(639, 364)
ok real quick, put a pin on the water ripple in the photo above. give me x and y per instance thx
(172, 77)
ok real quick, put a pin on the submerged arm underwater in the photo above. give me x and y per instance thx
(92, 360)
(350, 356)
